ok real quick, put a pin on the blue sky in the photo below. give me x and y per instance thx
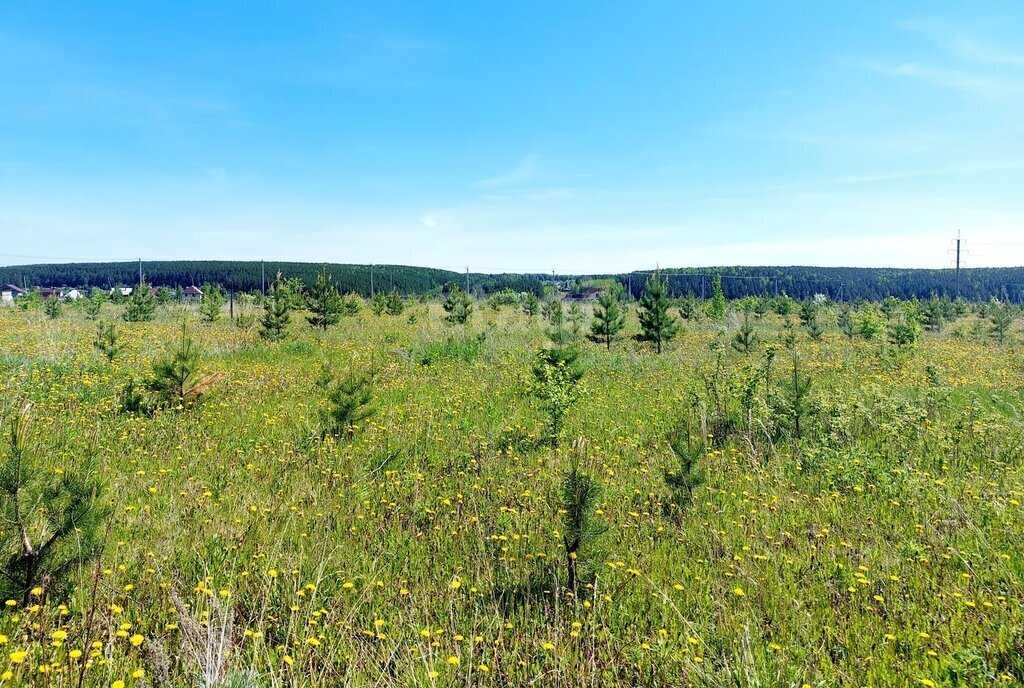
(524, 136)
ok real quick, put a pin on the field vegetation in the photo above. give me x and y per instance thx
(511, 492)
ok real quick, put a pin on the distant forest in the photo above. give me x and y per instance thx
(249, 276)
(841, 284)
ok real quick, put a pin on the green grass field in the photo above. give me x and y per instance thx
(881, 549)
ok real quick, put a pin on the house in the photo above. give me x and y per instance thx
(585, 295)
(51, 293)
(124, 291)
(192, 293)
(9, 292)
(73, 295)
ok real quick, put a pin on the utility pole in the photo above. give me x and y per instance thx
(467, 279)
(958, 263)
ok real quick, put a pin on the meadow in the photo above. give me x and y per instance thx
(879, 547)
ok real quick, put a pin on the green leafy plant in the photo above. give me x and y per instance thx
(870, 322)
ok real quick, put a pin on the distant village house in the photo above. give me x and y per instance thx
(10, 292)
(585, 295)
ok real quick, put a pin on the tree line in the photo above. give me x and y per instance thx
(838, 284)
(242, 276)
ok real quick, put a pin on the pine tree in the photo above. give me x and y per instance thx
(554, 312)
(177, 371)
(348, 403)
(687, 475)
(746, 338)
(141, 306)
(276, 312)
(94, 304)
(608, 321)
(575, 319)
(579, 494)
(1002, 320)
(55, 516)
(846, 323)
(324, 303)
(689, 309)
(51, 307)
(814, 329)
(458, 306)
(213, 301)
(394, 304)
(556, 384)
(379, 303)
(106, 341)
(531, 304)
(351, 304)
(716, 306)
(808, 311)
(656, 325)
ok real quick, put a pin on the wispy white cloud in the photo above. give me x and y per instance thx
(894, 175)
(520, 174)
(987, 86)
(963, 45)
(973, 49)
